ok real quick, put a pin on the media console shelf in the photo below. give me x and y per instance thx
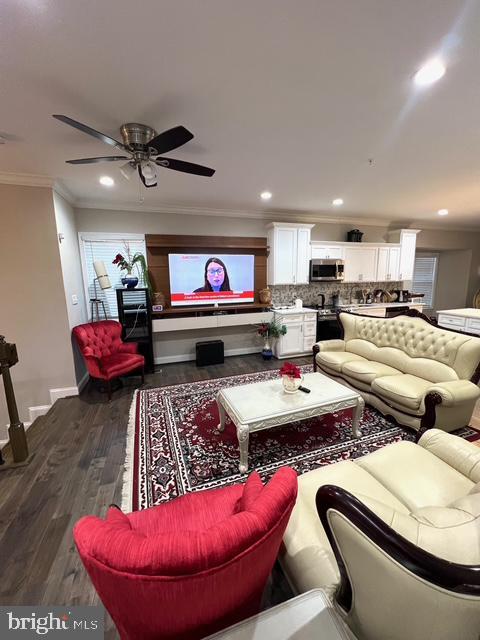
(212, 320)
(210, 310)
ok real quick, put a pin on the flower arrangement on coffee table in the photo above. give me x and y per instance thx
(292, 377)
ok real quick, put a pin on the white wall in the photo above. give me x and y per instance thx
(452, 286)
(71, 273)
(32, 306)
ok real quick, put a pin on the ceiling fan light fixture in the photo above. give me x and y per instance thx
(148, 173)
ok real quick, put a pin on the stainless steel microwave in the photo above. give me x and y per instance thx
(325, 270)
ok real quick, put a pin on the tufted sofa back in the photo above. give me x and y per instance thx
(98, 339)
(412, 346)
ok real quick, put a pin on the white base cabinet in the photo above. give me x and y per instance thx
(301, 333)
(466, 320)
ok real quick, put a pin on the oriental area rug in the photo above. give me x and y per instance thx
(173, 446)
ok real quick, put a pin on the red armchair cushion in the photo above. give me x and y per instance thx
(120, 363)
(192, 566)
(105, 354)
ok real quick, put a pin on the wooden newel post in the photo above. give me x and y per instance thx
(16, 430)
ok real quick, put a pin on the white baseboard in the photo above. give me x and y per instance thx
(41, 410)
(63, 392)
(187, 357)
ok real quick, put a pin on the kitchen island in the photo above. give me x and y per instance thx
(467, 320)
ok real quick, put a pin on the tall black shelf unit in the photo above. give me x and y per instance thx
(134, 314)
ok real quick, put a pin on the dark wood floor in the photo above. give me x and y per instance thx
(79, 450)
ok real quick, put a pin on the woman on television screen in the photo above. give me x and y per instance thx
(216, 276)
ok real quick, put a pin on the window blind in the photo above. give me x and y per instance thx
(424, 277)
(106, 249)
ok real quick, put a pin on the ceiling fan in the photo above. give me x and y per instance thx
(144, 148)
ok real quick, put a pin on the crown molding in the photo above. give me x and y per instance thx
(268, 216)
(26, 179)
(291, 216)
(62, 190)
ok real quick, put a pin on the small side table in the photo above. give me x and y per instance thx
(306, 617)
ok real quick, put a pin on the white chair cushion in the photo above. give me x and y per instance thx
(336, 359)
(404, 389)
(366, 370)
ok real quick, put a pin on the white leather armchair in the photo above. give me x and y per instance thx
(396, 541)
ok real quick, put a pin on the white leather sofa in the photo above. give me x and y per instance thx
(422, 375)
(397, 543)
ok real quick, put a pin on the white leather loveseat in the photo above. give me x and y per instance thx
(396, 540)
(422, 375)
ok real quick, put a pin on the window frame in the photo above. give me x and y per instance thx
(99, 235)
(429, 254)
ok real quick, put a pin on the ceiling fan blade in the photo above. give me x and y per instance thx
(101, 159)
(90, 131)
(186, 167)
(171, 139)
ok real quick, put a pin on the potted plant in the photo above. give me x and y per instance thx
(268, 330)
(127, 263)
(291, 377)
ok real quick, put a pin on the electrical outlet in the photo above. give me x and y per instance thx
(74, 299)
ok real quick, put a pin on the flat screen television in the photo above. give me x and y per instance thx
(200, 279)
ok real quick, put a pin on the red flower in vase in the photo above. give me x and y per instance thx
(291, 370)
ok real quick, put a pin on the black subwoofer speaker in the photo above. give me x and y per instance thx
(209, 352)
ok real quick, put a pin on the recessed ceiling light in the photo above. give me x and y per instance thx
(265, 195)
(443, 212)
(107, 181)
(432, 71)
(337, 202)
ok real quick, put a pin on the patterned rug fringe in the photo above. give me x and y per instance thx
(127, 486)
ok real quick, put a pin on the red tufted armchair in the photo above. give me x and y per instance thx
(191, 566)
(105, 355)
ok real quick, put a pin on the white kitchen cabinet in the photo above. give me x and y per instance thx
(289, 244)
(303, 255)
(300, 336)
(388, 264)
(327, 252)
(408, 244)
(360, 264)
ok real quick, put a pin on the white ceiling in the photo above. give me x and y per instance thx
(290, 96)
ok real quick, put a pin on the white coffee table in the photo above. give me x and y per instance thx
(310, 616)
(262, 405)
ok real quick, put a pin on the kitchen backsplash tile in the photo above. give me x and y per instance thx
(309, 293)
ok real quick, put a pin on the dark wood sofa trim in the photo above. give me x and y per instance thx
(458, 578)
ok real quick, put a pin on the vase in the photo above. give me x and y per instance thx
(130, 281)
(291, 384)
(267, 350)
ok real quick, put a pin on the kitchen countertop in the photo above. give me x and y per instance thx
(463, 313)
(356, 305)
(291, 310)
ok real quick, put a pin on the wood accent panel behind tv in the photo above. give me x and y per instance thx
(159, 246)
